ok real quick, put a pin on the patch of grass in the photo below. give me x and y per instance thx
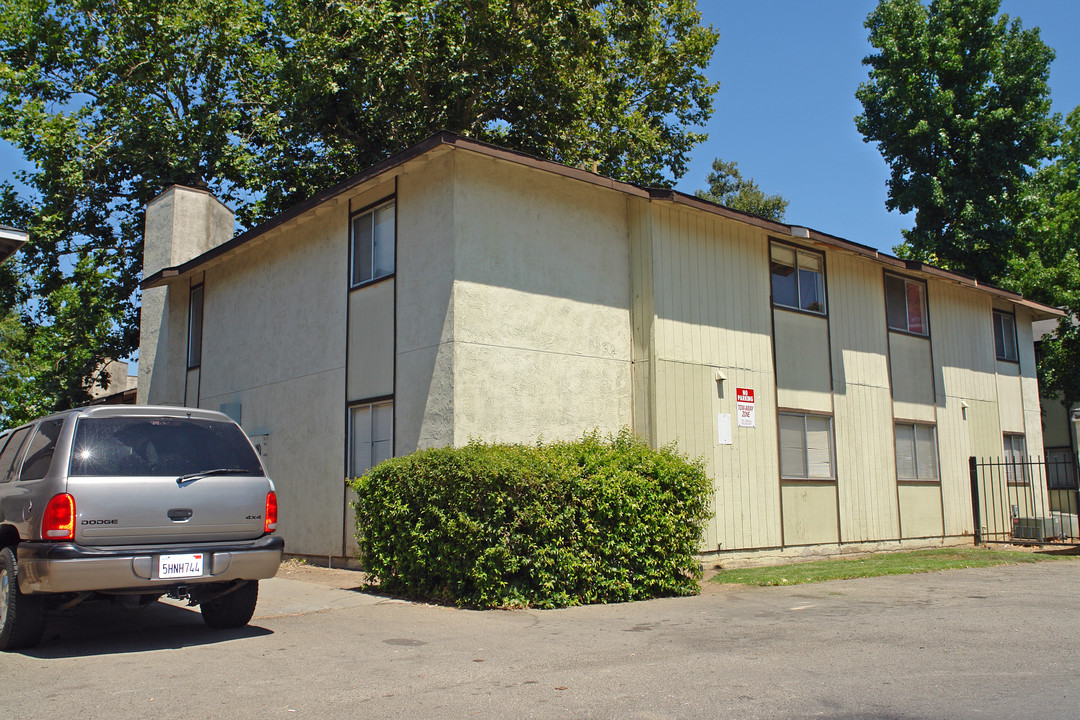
(900, 563)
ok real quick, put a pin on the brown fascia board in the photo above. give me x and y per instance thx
(445, 138)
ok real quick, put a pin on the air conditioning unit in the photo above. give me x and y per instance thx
(1069, 524)
(1037, 529)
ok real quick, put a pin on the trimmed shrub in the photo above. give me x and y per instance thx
(556, 524)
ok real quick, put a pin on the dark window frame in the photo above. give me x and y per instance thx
(1015, 465)
(1001, 351)
(906, 330)
(797, 269)
(806, 477)
(371, 210)
(917, 480)
(370, 404)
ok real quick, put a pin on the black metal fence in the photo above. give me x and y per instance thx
(1030, 501)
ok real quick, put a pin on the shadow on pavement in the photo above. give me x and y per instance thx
(102, 627)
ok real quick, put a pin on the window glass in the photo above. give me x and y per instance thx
(155, 446)
(905, 452)
(195, 327)
(11, 452)
(818, 447)
(784, 283)
(792, 447)
(373, 238)
(926, 452)
(895, 302)
(384, 241)
(811, 283)
(39, 454)
(362, 248)
(1005, 336)
(916, 310)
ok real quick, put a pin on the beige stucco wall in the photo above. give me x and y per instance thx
(541, 298)
(424, 384)
(274, 342)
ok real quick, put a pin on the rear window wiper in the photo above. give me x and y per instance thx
(216, 471)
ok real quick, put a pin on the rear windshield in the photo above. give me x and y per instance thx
(130, 446)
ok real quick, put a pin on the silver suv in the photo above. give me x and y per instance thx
(133, 503)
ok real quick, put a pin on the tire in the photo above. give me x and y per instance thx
(233, 609)
(22, 617)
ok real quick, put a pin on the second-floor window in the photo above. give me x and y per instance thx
(1005, 336)
(905, 305)
(798, 278)
(373, 238)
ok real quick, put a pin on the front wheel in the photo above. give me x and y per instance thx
(233, 609)
(22, 617)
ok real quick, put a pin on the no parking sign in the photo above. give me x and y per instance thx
(744, 406)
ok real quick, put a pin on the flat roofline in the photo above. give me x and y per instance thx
(447, 139)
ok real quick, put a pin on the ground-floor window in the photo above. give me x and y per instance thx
(806, 447)
(1015, 458)
(371, 435)
(916, 452)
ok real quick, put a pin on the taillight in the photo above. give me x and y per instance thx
(59, 520)
(270, 523)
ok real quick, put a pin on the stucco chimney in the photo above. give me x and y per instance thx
(181, 224)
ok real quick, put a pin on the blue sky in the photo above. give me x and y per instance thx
(788, 71)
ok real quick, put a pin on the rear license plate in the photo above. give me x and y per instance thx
(180, 566)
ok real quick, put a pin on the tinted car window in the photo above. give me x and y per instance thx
(130, 446)
(40, 453)
(10, 452)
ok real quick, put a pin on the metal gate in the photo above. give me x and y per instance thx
(1029, 501)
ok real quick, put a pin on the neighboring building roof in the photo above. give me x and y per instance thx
(1042, 328)
(444, 141)
(10, 241)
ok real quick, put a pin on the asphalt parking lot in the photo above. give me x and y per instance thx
(982, 643)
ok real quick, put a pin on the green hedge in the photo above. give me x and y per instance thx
(556, 524)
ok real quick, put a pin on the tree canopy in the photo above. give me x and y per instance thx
(269, 101)
(728, 187)
(958, 104)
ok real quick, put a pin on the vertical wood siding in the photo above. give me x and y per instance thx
(710, 282)
(865, 453)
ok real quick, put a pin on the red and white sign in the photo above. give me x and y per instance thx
(744, 406)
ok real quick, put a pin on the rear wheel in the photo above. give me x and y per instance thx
(22, 617)
(233, 609)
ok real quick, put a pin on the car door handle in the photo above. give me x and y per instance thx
(180, 514)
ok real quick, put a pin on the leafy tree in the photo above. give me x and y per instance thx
(1046, 265)
(728, 187)
(957, 101)
(269, 101)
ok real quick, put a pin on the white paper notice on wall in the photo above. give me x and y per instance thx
(744, 406)
(723, 423)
